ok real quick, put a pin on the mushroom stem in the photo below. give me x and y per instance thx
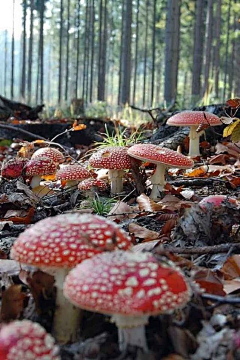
(115, 177)
(131, 331)
(194, 137)
(35, 181)
(67, 316)
(158, 181)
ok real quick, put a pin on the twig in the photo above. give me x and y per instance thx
(221, 299)
(22, 131)
(196, 181)
(161, 114)
(222, 248)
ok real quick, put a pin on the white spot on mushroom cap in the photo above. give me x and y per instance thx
(129, 292)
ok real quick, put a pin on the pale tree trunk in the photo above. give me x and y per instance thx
(41, 47)
(217, 46)
(233, 56)
(126, 54)
(92, 49)
(198, 50)
(78, 8)
(30, 53)
(102, 50)
(227, 50)
(136, 53)
(12, 51)
(172, 41)
(208, 47)
(145, 52)
(236, 76)
(153, 51)
(23, 77)
(60, 54)
(67, 51)
(5, 62)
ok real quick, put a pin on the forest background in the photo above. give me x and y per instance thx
(143, 52)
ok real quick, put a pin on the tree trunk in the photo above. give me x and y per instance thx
(198, 50)
(23, 77)
(67, 51)
(30, 53)
(126, 54)
(41, 48)
(92, 50)
(60, 54)
(172, 49)
(217, 26)
(153, 51)
(5, 62)
(136, 53)
(145, 53)
(13, 48)
(78, 46)
(208, 47)
(227, 51)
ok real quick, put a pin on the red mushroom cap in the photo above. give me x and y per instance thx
(188, 118)
(72, 172)
(112, 157)
(217, 200)
(51, 153)
(40, 166)
(89, 184)
(13, 168)
(21, 340)
(122, 282)
(66, 240)
(156, 154)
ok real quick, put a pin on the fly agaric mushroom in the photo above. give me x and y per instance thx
(116, 160)
(51, 153)
(25, 339)
(194, 119)
(57, 244)
(13, 168)
(217, 200)
(163, 158)
(130, 287)
(91, 185)
(72, 174)
(36, 168)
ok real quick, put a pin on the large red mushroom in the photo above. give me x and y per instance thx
(130, 287)
(163, 158)
(38, 167)
(57, 244)
(51, 153)
(194, 119)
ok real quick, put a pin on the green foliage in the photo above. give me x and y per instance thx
(102, 205)
(98, 109)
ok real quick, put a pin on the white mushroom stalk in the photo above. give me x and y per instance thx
(194, 137)
(116, 181)
(158, 181)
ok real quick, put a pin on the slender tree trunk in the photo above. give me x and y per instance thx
(159, 79)
(172, 49)
(102, 50)
(153, 51)
(145, 53)
(208, 47)
(126, 54)
(23, 77)
(13, 49)
(60, 54)
(121, 54)
(233, 55)
(217, 46)
(41, 45)
(30, 53)
(198, 50)
(67, 51)
(136, 53)
(236, 67)
(78, 46)
(86, 53)
(227, 51)
(92, 50)
(5, 62)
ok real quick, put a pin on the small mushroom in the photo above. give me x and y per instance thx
(72, 174)
(36, 168)
(89, 186)
(57, 244)
(130, 287)
(217, 200)
(25, 339)
(13, 168)
(116, 160)
(51, 153)
(163, 158)
(194, 119)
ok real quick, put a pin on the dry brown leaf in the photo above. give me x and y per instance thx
(20, 216)
(210, 170)
(231, 267)
(234, 181)
(231, 285)
(147, 204)
(12, 303)
(121, 211)
(142, 232)
(168, 226)
(219, 159)
(173, 357)
(210, 282)
(42, 191)
(145, 246)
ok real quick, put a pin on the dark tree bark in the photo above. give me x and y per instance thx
(23, 75)
(30, 53)
(12, 51)
(67, 51)
(102, 50)
(198, 50)
(227, 51)
(145, 52)
(153, 50)
(92, 50)
(208, 47)
(233, 56)
(136, 53)
(41, 47)
(126, 54)
(86, 52)
(5, 62)
(78, 8)
(217, 27)
(172, 49)
(60, 54)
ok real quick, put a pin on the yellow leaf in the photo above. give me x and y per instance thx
(77, 127)
(229, 129)
(236, 133)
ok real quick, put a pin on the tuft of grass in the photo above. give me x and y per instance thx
(102, 205)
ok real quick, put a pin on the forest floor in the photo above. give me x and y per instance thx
(203, 242)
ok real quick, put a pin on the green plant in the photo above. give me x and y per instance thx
(102, 205)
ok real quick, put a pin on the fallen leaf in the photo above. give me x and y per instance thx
(209, 282)
(234, 103)
(142, 232)
(231, 267)
(231, 285)
(147, 204)
(12, 303)
(230, 128)
(20, 216)
(77, 127)
(219, 159)
(145, 246)
(168, 226)
(121, 211)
